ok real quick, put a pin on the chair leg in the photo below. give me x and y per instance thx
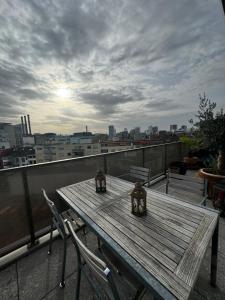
(50, 242)
(78, 283)
(62, 283)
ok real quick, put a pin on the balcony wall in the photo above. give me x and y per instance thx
(24, 215)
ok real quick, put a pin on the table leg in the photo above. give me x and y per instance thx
(214, 255)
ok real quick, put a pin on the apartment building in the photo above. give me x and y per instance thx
(54, 152)
(63, 151)
(16, 157)
(10, 135)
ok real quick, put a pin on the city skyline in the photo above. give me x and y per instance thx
(25, 125)
(75, 64)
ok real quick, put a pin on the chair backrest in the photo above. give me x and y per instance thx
(57, 219)
(140, 173)
(95, 264)
(186, 182)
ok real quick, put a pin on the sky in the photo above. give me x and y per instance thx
(128, 63)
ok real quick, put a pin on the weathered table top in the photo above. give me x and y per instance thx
(166, 247)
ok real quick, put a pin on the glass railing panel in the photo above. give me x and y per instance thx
(118, 163)
(154, 158)
(184, 150)
(13, 219)
(53, 176)
(173, 153)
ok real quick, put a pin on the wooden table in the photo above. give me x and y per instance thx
(163, 249)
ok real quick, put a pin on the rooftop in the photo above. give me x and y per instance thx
(36, 275)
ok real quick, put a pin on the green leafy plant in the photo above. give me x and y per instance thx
(211, 129)
(193, 142)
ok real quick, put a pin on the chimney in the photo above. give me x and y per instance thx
(28, 120)
(86, 128)
(22, 125)
(25, 122)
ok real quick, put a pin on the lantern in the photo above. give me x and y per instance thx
(100, 182)
(138, 200)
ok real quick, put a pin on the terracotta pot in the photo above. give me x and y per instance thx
(211, 179)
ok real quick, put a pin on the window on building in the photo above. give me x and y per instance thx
(69, 154)
(23, 159)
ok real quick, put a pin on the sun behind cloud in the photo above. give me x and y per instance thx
(64, 92)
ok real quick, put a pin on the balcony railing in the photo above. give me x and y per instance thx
(24, 216)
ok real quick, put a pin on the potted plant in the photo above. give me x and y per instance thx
(193, 143)
(211, 128)
(178, 167)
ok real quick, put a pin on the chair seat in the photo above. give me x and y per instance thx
(191, 196)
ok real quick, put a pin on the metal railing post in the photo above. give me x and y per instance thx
(30, 220)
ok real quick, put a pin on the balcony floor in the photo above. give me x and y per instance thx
(36, 276)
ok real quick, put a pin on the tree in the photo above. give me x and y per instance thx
(211, 128)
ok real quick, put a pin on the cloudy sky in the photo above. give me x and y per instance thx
(129, 63)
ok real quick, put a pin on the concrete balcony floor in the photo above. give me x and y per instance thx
(37, 275)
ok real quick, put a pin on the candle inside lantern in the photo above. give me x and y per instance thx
(100, 182)
(138, 200)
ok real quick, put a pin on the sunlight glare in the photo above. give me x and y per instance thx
(63, 92)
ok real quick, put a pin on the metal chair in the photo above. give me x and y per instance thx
(137, 173)
(58, 222)
(187, 184)
(101, 277)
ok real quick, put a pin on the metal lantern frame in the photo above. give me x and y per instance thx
(100, 182)
(138, 200)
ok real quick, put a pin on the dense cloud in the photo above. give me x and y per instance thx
(162, 105)
(106, 101)
(98, 62)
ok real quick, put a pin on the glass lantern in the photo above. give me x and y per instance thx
(138, 200)
(100, 182)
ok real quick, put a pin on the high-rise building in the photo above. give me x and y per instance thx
(155, 130)
(137, 130)
(10, 135)
(112, 131)
(18, 135)
(173, 127)
(4, 136)
(149, 130)
(184, 128)
(132, 133)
